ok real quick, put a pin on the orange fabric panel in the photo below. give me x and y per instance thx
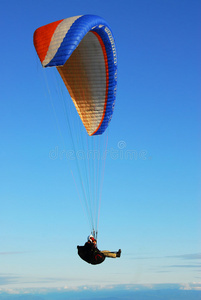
(78, 87)
(85, 75)
(42, 38)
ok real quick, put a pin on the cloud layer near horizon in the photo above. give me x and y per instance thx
(196, 286)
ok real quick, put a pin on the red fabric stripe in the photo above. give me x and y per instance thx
(42, 38)
(107, 77)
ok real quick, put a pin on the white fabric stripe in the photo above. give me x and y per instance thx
(58, 37)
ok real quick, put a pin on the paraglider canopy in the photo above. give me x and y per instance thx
(83, 50)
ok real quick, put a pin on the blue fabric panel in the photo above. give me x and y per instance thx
(73, 37)
(112, 84)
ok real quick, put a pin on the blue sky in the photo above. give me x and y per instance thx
(150, 204)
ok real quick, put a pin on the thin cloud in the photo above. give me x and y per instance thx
(190, 256)
(196, 286)
(83, 288)
(12, 252)
(186, 266)
(8, 279)
(187, 256)
(99, 288)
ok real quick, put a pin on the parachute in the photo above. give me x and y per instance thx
(82, 48)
